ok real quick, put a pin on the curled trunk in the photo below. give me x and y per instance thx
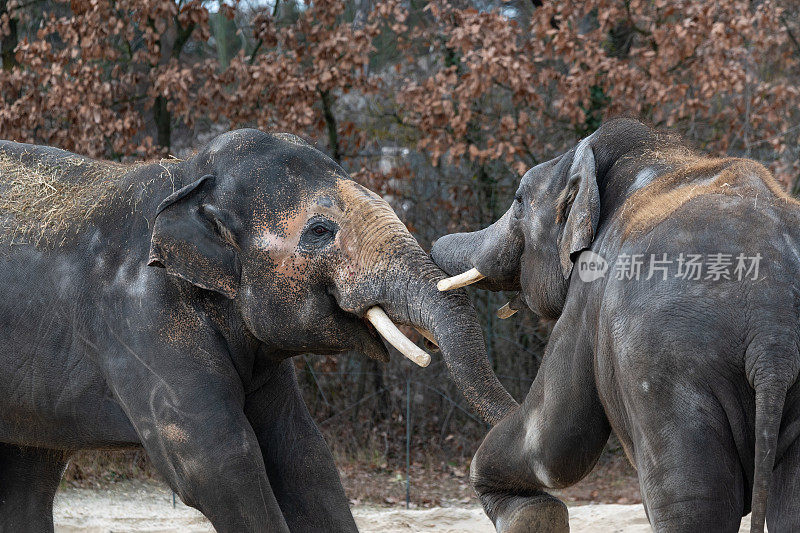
(493, 251)
(414, 299)
(392, 272)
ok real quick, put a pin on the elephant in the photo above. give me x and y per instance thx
(673, 282)
(159, 304)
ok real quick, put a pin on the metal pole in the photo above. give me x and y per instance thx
(408, 441)
(173, 499)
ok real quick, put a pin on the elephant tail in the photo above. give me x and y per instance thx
(770, 395)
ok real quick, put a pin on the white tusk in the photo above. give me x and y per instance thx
(395, 337)
(505, 311)
(462, 280)
(427, 334)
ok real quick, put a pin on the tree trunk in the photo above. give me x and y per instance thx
(161, 114)
(330, 122)
(163, 120)
(9, 42)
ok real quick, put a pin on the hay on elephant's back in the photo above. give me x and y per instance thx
(46, 201)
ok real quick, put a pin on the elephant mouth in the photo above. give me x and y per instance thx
(357, 334)
(391, 334)
(473, 276)
(375, 327)
(369, 341)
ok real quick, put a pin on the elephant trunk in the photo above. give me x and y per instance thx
(454, 252)
(394, 280)
(453, 323)
(493, 252)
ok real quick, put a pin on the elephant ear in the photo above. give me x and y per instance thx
(192, 240)
(581, 198)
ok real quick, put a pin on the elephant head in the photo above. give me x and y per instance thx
(313, 262)
(554, 216)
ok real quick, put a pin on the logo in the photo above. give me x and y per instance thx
(686, 266)
(591, 266)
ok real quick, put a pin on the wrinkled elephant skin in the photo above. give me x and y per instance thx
(160, 304)
(695, 371)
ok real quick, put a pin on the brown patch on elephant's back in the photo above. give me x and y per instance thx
(694, 176)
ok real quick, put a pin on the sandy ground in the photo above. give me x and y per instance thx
(147, 507)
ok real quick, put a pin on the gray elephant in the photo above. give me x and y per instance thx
(674, 280)
(159, 304)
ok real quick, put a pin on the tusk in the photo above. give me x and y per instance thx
(516, 303)
(427, 334)
(462, 280)
(395, 337)
(506, 311)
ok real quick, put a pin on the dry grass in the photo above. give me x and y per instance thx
(42, 201)
(45, 202)
(90, 468)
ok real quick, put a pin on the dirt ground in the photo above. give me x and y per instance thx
(146, 506)
(122, 493)
(433, 483)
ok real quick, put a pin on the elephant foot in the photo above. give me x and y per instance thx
(542, 513)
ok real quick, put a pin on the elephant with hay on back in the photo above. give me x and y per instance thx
(160, 304)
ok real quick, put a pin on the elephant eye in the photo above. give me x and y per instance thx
(518, 198)
(319, 232)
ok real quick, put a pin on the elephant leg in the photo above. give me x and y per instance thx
(29, 478)
(211, 459)
(193, 428)
(552, 441)
(299, 464)
(216, 467)
(689, 471)
(783, 499)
